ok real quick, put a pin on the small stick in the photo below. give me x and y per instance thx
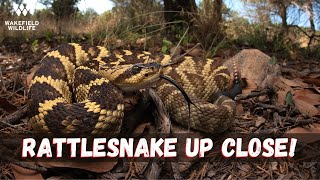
(163, 124)
(163, 121)
(4, 157)
(302, 122)
(268, 106)
(251, 95)
(15, 117)
(2, 81)
(4, 124)
(175, 60)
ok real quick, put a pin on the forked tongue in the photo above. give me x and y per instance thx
(185, 95)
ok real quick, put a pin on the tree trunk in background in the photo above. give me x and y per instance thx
(184, 10)
(217, 12)
(217, 20)
(187, 6)
(311, 20)
(283, 14)
(209, 26)
(282, 6)
(63, 10)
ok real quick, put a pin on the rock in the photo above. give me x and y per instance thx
(256, 68)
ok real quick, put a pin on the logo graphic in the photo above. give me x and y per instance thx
(22, 25)
(22, 10)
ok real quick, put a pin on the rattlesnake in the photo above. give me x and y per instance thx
(78, 89)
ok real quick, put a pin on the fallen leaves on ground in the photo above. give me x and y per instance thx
(305, 132)
(98, 167)
(304, 98)
(23, 173)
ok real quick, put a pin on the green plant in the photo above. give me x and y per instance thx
(273, 60)
(49, 36)
(289, 99)
(35, 46)
(165, 46)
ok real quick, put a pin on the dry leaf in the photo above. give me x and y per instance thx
(245, 167)
(306, 108)
(282, 168)
(282, 90)
(294, 83)
(281, 97)
(246, 116)
(305, 91)
(55, 178)
(309, 134)
(314, 75)
(175, 51)
(141, 127)
(195, 52)
(280, 85)
(263, 98)
(98, 167)
(251, 86)
(259, 121)
(239, 109)
(242, 173)
(23, 173)
(307, 95)
(274, 166)
(315, 81)
(30, 75)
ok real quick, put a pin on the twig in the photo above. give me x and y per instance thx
(15, 117)
(162, 116)
(6, 155)
(4, 125)
(268, 173)
(252, 94)
(154, 167)
(291, 71)
(175, 60)
(184, 34)
(302, 122)
(304, 32)
(175, 170)
(2, 81)
(111, 175)
(268, 106)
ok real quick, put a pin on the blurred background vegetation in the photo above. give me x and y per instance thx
(273, 26)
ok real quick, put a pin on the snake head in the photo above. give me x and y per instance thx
(132, 77)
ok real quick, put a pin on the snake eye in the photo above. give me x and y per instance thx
(135, 69)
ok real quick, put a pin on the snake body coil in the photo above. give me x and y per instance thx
(78, 89)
